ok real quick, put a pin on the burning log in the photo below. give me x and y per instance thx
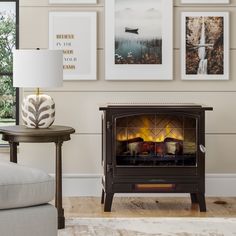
(189, 147)
(173, 146)
(137, 146)
(121, 146)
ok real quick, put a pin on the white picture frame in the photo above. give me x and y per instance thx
(205, 53)
(205, 1)
(76, 34)
(141, 71)
(72, 1)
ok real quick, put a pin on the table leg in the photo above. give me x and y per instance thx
(13, 152)
(58, 198)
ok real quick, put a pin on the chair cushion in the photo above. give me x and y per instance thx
(23, 186)
(29, 221)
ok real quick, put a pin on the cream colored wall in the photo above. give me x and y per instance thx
(78, 101)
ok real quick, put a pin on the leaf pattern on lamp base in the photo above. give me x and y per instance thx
(38, 111)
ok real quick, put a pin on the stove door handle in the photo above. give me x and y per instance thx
(202, 148)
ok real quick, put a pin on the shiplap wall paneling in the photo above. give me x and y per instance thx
(87, 118)
(80, 100)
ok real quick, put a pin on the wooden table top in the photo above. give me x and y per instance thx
(20, 130)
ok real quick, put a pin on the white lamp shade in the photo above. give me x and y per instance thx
(37, 68)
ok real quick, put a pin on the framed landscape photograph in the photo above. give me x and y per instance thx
(205, 46)
(72, 1)
(139, 39)
(76, 34)
(205, 1)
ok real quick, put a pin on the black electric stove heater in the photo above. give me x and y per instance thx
(153, 148)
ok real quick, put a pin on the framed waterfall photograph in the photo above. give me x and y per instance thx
(138, 41)
(205, 46)
(76, 34)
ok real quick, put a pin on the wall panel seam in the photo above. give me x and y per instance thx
(179, 49)
(75, 7)
(135, 91)
(211, 133)
(204, 6)
(88, 5)
(100, 175)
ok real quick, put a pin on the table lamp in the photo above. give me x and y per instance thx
(37, 69)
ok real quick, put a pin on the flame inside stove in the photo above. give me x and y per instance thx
(150, 135)
(151, 128)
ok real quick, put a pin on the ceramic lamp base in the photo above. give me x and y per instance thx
(38, 111)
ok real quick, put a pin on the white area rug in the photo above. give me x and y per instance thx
(149, 227)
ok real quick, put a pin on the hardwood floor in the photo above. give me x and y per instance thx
(148, 207)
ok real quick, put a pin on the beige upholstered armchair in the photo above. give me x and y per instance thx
(24, 196)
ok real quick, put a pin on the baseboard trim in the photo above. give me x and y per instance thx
(221, 185)
(217, 185)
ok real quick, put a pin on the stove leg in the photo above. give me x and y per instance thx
(193, 198)
(103, 196)
(201, 201)
(108, 202)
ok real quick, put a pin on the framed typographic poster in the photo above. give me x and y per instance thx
(138, 42)
(75, 34)
(205, 46)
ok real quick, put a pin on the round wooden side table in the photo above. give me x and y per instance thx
(55, 134)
